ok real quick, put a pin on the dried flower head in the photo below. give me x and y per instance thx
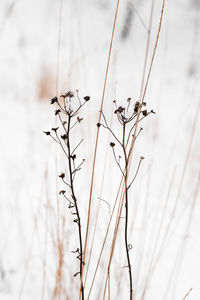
(64, 136)
(55, 129)
(62, 175)
(54, 100)
(112, 144)
(62, 192)
(79, 119)
(145, 113)
(47, 132)
(70, 94)
(57, 111)
(63, 96)
(120, 109)
(137, 106)
(86, 98)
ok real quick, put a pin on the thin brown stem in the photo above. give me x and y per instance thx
(97, 135)
(75, 203)
(126, 215)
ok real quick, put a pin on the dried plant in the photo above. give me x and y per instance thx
(67, 111)
(128, 118)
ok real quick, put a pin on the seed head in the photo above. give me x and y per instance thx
(53, 100)
(57, 111)
(62, 175)
(70, 94)
(112, 144)
(79, 119)
(47, 132)
(87, 98)
(62, 192)
(63, 96)
(144, 112)
(55, 129)
(64, 136)
(137, 105)
(120, 109)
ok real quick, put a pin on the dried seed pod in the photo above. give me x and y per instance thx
(79, 119)
(70, 94)
(55, 129)
(121, 109)
(57, 111)
(47, 132)
(54, 100)
(144, 112)
(62, 175)
(86, 98)
(64, 136)
(62, 192)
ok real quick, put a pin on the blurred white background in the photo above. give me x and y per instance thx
(32, 61)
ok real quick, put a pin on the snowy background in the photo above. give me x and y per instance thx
(164, 214)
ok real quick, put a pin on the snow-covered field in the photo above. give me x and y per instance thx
(164, 202)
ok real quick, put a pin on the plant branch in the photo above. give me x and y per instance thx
(136, 173)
